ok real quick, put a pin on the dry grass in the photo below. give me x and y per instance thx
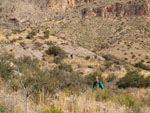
(106, 102)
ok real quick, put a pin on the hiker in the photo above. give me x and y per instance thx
(71, 56)
(98, 83)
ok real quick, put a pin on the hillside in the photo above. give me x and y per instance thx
(51, 51)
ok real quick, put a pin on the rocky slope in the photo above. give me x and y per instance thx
(18, 13)
(28, 10)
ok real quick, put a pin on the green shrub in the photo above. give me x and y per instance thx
(34, 78)
(46, 33)
(28, 72)
(61, 77)
(53, 109)
(71, 80)
(133, 79)
(142, 66)
(56, 51)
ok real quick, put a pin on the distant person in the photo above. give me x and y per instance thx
(97, 83)
(71, 56)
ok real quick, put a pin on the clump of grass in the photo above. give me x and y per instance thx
(121, 98)
(53, 109)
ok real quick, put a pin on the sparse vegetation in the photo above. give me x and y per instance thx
(53, 109)
(142, 66)
(120, 98)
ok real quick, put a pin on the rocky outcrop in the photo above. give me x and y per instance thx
(132, 8)
(63, 4)
(22, 13)
(19, 13)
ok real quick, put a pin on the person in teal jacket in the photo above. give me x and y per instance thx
(98, 83)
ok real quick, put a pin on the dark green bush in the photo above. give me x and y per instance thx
(133, 79)
(142, 66)
(56, 51)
